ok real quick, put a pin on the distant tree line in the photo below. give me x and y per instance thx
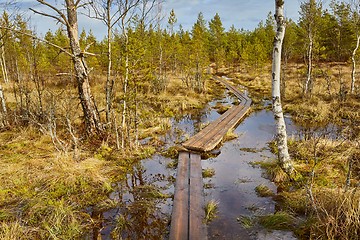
(138, 55)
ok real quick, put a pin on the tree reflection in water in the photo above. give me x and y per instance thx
(135, 211)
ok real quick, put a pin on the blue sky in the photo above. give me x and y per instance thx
(244, 14)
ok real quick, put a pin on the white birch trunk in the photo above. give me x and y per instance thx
(109, 83)
(3, 111)
(281, 136)
(309, 68)
(123, 125)
(353, 71)
(3, 63)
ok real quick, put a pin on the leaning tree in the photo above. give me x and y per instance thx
(69, 18)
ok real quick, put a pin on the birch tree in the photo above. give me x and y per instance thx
(281, 136)
(2, 58)
(3, 110)
(70, 20)
(310, 16)
(111, 12)
(355, 9)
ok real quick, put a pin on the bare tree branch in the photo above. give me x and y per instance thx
(48, 15)
(62, 15)
(39, 39)
(126, 10)
(77, 3)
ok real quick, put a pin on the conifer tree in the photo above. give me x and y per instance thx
(217, 40)
(199, 55)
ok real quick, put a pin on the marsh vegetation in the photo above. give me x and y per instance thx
(88, 127)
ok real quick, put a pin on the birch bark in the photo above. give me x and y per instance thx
(3, 111)
(281, 136)
(353, 71)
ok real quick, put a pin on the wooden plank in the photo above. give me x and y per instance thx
(211, 136)
(207, 129)
(188, 209)
(197, 141)
(215, 141)
(210, 140)
(220, 130)
(197, 230)
(180, 213)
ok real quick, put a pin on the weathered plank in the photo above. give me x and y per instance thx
(211, 131)
(208, 138)
(180, 214)
(197, 228)
(188, 209)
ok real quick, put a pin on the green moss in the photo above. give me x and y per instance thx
(104, 152)
(171, 152)
(173, 164)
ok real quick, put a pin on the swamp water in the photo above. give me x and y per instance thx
(145, 204)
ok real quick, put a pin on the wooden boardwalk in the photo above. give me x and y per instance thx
(188, 208)
(187, 220)
(208, 138)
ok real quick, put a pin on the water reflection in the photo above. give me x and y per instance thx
(236, 178)
(137, 211)
(142, 203)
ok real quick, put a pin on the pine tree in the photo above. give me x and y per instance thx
(216, 41)
(199, 55)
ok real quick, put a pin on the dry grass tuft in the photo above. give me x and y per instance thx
(338, 214)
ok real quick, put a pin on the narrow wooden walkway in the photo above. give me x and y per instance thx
(208, 138)
(188, 208)
(187, 220)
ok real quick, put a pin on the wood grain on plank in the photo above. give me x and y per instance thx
(179, 219)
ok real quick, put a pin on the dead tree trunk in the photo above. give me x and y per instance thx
(91, 115)
(70, 20)
(281, 136)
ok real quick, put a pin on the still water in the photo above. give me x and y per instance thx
(145, 196)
